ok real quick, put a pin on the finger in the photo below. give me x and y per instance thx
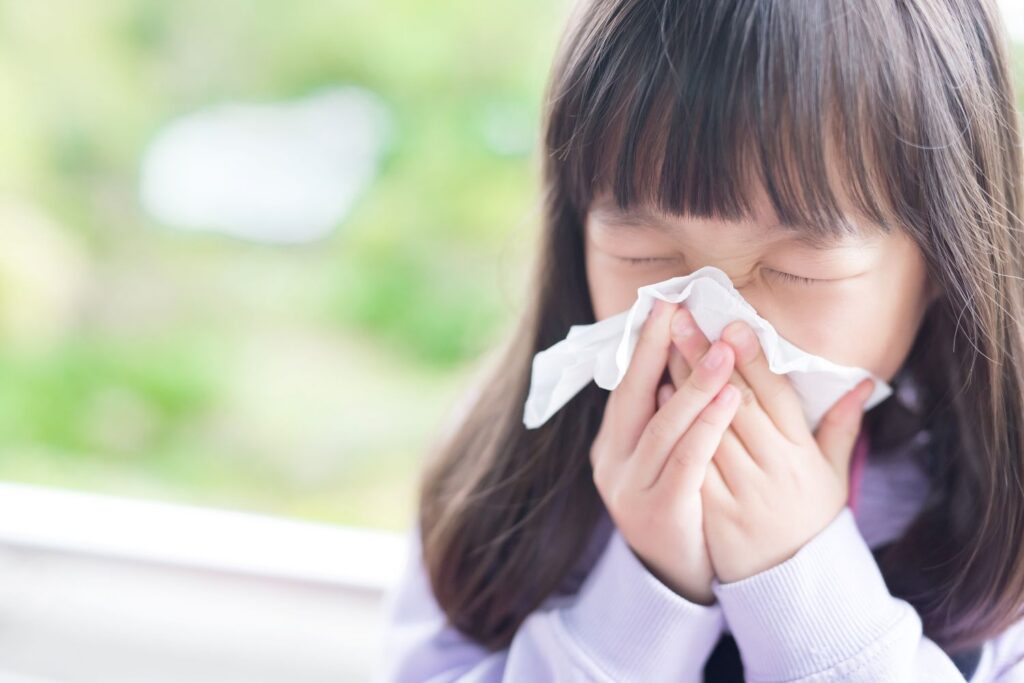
(678, 369)
(665, 392)
(736, 466)
(750, 419)
(734, 463)
(715, 489)
(838, 429)
(683, 470)
(680, 413)
(632, 403)
(774, 392)
(688, 399)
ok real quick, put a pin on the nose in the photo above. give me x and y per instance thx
(741, 280)
(746, 284)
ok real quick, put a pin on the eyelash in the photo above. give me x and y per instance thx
(643, 260)
(795, 278)
(785, 276)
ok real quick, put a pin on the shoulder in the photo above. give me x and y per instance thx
(1002, 658)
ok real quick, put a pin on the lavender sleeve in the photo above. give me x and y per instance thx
(622, 625)
(825, 614)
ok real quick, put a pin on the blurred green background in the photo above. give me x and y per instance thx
(302, 379)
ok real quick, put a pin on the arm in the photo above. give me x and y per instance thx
(622, 625)
(1002, 658)
(826, 614)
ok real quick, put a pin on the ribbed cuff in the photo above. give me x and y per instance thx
(812, 611)
(635, 627)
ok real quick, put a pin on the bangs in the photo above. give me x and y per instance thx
(692, 107)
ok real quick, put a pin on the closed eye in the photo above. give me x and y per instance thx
(784, 276)
(795, 278)
(638, 261)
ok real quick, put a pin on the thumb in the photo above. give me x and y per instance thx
(837, 432)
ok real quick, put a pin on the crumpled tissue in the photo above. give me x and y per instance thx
(602, 351)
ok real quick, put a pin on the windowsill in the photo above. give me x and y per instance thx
(209, 538)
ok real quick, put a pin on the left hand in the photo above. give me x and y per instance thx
(772, 485)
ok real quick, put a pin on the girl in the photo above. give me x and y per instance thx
(855, 167)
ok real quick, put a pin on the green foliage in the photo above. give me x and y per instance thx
(300, 380)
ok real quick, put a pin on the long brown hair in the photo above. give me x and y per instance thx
(686, 103)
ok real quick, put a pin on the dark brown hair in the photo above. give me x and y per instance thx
(686, 104)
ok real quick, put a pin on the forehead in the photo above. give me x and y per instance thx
(644, 218)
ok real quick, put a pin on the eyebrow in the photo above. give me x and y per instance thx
(642, 220)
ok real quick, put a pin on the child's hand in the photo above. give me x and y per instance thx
(772, 485)
(649, 461)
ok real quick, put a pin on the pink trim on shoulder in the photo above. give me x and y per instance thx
(857, 462)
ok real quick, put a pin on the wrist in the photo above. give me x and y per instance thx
(692, 583)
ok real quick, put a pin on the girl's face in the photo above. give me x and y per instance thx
(862, 306)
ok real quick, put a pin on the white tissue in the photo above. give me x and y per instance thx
(601, 351)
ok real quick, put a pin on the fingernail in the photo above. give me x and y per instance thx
(681, 326)
(727, 394)
(868, 390)
(653, 313)
(740, 336)
(714, 357)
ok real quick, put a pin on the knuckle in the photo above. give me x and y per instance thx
(744, 360)
(799, 478)
(701, 388)
(679, 459)
(658, 429)
(709, 418)
(616, 500)
(747, 396)
(683, 455)
(744, 522)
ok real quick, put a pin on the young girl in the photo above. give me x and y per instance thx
(854, 166)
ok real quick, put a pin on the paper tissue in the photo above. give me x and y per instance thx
(601, 351)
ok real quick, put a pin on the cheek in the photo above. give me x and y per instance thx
(842, 334)
(612, 287)
(872, 329)
(819, 323)
(869, 324)
(609, 297)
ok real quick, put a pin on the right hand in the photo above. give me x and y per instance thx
(650, 455)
